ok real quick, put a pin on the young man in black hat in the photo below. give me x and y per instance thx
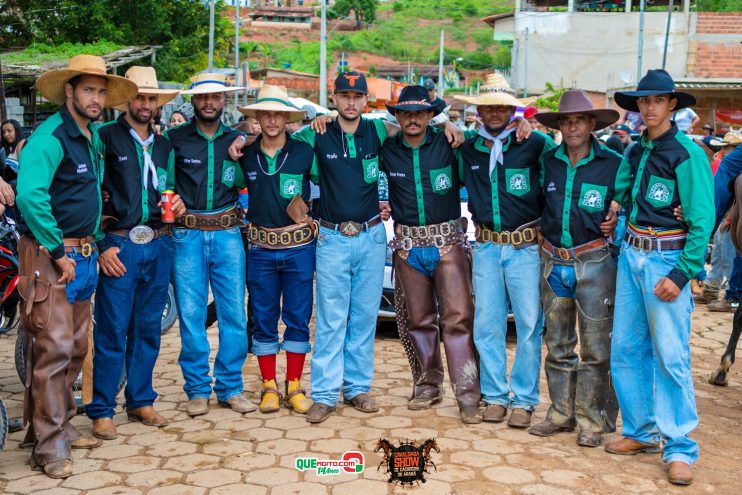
(650, 352)
(578, 274)
(431, 253)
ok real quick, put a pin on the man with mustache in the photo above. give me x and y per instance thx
(59, 197)
(135, 259)
(208, 249)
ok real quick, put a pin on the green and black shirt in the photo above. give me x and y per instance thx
(131, 202)
(59, 182)
(274, 181)
(576, 198)
(424, 181)
(204, 176)
(668, 171)
(511, 197)
(348, 169)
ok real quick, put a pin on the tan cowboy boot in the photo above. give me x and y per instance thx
(295, 398)
(270, 398)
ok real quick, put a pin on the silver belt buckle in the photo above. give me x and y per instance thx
(141, 234)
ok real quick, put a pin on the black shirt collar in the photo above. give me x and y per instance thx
(70, 125)
(429, 134)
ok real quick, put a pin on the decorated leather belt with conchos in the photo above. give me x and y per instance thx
(142, 234)
(212, 221)
(282, 238)
(351, 229)
(573, 252)
(435, 235)
(649, 239)
(519, 238)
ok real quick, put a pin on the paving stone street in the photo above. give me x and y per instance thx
(227, 453)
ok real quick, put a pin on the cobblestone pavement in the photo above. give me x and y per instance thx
(224, 452)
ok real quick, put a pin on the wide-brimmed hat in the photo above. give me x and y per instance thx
(273, 99)
(415, 99)
(576, 101)
(731, 138)
(146, 80)
(207, 83)
(708, 126)
(51, 84)
(496, 91)
(656, 82)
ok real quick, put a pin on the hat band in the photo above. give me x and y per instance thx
(91, 69)
(497, 90)
(415, 102)
(279, 100)
(207, 81)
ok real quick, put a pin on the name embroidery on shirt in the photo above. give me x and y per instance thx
(82, 168)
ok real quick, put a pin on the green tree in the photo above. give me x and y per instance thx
(364, 10)
(551, 99)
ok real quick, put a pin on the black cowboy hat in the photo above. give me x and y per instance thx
(656, 82)
(414, 99)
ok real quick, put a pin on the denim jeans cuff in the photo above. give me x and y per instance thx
(264, 348)
(139, 405)
(679, 457)
(497, 402)
(295, 347)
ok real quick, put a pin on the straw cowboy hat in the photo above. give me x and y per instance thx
(51, 84)
(146, 80)
(273, 99)
(206, 83)
(576, 101)
(655, 82)
(731, 138)
(496, 91)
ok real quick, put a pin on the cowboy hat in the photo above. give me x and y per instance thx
(273, 99)
(51, 84)
(146, 80)
(576, 101)
(496, 91)
(731, 138)
(207, 82)
(414, 99)
(656, 82)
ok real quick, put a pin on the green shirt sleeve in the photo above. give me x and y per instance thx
(38, 163)
(381, 130)
(696, 192)
(314, 171)
(305, 134)
(460, 161)
(470, 133)
(548, 144)
(623, 183)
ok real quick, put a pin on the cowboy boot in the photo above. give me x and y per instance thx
(423, 332)
(270, 397)
(296, 398)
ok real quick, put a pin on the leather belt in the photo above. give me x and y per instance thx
(283, 237)
(350, 228)
(211, 221)
(572, 253)
(162, 231)
(434, 235)
(519, 238)
(83, 245)
(646, 243)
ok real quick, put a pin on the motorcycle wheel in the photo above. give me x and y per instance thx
(170, 313)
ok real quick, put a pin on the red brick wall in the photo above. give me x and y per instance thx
(722, 58)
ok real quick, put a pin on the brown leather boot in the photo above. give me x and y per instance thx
(519, 418)
(319, 412)
(148, 416)
(197, 406)
(629, 446)
(494, 413)
(58, 469)
(104, 429)
(679, 473)
(85, 442)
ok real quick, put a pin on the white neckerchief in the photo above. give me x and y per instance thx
(149, 165)
(496, 152)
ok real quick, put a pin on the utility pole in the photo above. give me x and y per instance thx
(516, 70)
(440, 67)
(667, 35)
(236, 49)
(641, 41)
(3, 109)
(211, 35)
(323, 57)
(525, 67)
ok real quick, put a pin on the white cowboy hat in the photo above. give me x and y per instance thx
(146, 80)
(273, 99)
(731, 138)
(496, 91)
(51, 84)
(206, 83)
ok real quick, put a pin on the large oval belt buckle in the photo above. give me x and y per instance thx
(141, 234)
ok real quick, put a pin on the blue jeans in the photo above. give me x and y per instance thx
(350, 276)
(650, 356)
(128, 311)
(280, 282)
(424, 259)
(501, 271)
(722, 259)
(217, 258)
(86, 277)
(563, 281)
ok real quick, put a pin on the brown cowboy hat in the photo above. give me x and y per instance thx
(51, 84)
(576, 101)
